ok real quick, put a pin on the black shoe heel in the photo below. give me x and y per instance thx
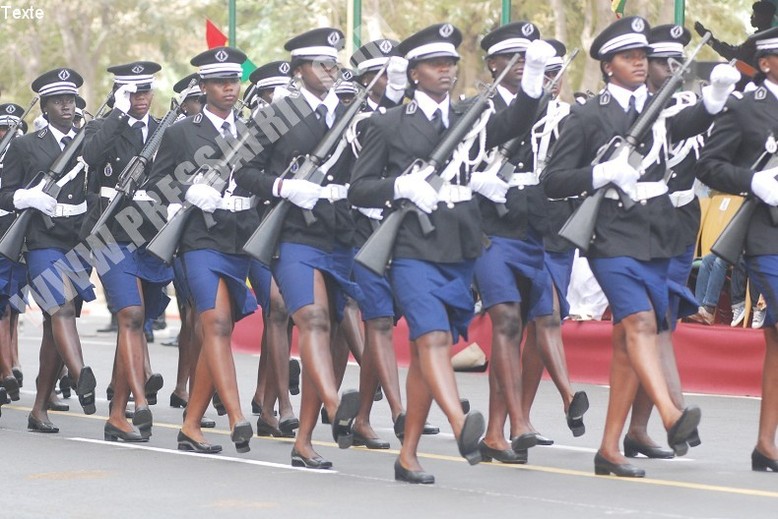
(177, 402)
(344, 417)
(11, 388)
(470, 436)
(19, 376)
(680, 432)
(578, 406)
(256, 409)
(65, 386)
(294, 376)
(632, 448)
(152, 387)
(761, 463)
(85, 389)
(218, 405)
(143, 420)
(240, 436)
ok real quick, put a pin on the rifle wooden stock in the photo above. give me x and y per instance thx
(579, 228)
(132, 176)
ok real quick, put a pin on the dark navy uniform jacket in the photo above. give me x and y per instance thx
(645, 232)
(26, 157)
(108, 148)
(738, 138)
(403, 134)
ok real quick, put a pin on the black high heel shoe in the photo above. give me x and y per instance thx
(761, 463)
(185, 443)
(152, 387)
(288, 426)
(503, 456)
(65, 386)
(472, 431)
(35, 425)
(680, 432)
(633, 448)
(603, 467)
(543, 440)
(578, 406)
(399, 427)
(344, 417)
(56, 405)
(294, 376)
(430, 429)
(417, 477)
(3, 399)
(85, 389)
(265, 429)
(19, 376)
(218, 405)
(177, 402)
(143, 420)
(240, 436)
(371, 443)
(256, 409)
(316, 462)
(11, 386)
(112, 434)
(524, 441)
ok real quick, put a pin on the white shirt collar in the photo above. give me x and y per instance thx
(58, 135)
(331, 101)
(372, 104)
(218, 121)
(506, 94)
(622, 95)
(428, 105)
(145, 120)
(772, 87)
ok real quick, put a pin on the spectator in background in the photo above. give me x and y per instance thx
(710, 281)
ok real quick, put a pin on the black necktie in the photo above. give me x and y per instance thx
(632, 111)
(65, 141)
(321, 114)
(137, 132)
(437, 121)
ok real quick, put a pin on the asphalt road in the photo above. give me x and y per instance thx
(76, 474)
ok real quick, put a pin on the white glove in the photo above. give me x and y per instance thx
(279, 93)
(764, 185)
(302, 193)
(172, 209)
(615, 171)
(537, 55)
(373, 213)
(489, 185)
(415, 188)
(35, 198)
(203, 196)
(121, 98)
(722, 82)
(397, 73)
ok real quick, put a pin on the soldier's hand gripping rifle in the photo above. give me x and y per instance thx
(500, 160)
(263, 242)
(579, 228)
(732, 240)
(133, 174)
(11, 133)
(377, 251)
(13, 240)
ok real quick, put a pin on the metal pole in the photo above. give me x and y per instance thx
(232, 16)
(506, 12)
(357, 24)
(680, 12)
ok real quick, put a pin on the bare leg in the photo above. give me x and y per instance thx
(768, 415)
(419, 402)
(49, 366)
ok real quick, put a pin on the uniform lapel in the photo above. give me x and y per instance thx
(421, 126)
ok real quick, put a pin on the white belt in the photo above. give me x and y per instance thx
(140, 195)
(334, 192)
(373, 213)
(65, 210)
(236, 204)
(682, 198)
(523, 179)
(641, 191)
(3, 212)
(453, 193)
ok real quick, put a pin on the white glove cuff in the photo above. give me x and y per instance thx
(532, 81)
(599, 176)
(714, 98)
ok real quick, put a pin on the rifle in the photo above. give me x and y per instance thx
(263, 242)
(13, 240)
(500, 160)
(11, 133)
(377, 251)
(579, 228)
(132, 175)
(731, 242)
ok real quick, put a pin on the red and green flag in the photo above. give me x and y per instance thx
(617, 6)
(216, 38)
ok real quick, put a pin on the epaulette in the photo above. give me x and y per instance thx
(411, 108)
(760, 93)
(197, 118)
(42, 133)
(381, 109)
(737, 94)
(605, 98)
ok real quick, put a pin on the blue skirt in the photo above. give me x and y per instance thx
(179, 283)
(434, 296)
(633, 286)
(293, 271)
(559, 266)
(205, 267)
(378, 301)
(121, 281)
(260, 278)
(513, 271)
(17, 294)
(48, 268)
(682, 300)
(763, 271)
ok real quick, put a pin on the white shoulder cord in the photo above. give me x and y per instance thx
(351, 132)
(659, 129)
(542, 131)
(461, 154)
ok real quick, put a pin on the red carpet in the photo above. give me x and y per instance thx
(711, 359)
